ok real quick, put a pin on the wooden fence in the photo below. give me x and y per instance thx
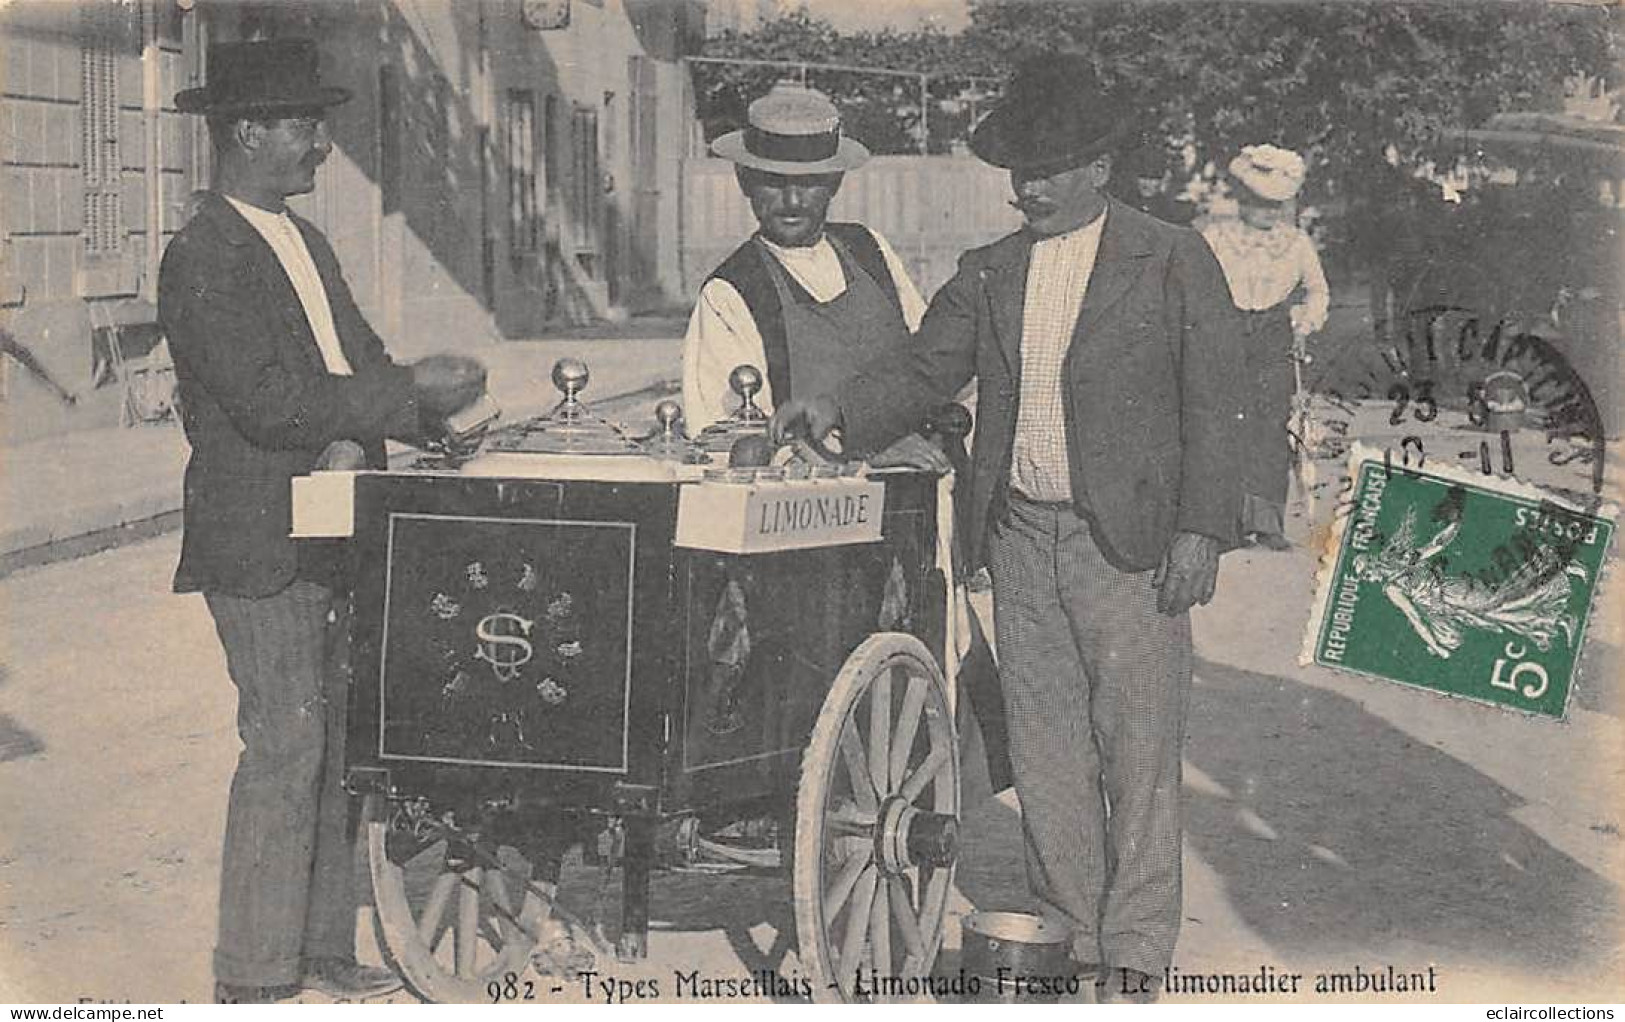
(931, 208)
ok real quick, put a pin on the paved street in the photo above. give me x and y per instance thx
(522, 183)
(1333, 821)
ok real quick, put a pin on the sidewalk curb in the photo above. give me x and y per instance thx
(85, 530)
(70, 548)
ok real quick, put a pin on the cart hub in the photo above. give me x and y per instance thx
(912, 837)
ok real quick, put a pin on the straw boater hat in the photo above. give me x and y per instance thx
(1269, 172)
(1053, 117)
(792, 130)
(265, 76)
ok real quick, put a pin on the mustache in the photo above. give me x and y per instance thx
(1032, 205)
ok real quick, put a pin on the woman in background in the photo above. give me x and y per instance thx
(1276, 280)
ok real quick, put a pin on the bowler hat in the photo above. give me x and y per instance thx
(792, 130)
(1053, 117)
(262, 76)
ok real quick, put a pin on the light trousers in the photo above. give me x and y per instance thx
(1096, 685)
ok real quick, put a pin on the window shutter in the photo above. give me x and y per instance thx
(103, 22)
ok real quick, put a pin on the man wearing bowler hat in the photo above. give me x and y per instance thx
(279, 373)
(1103, 489)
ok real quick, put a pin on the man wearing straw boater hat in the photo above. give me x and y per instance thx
(806, 302)
(803, 300)
(1103, 489)
(279, 373)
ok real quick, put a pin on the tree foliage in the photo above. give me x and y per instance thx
(1358, 86)
(880, 109)
(1355, 86)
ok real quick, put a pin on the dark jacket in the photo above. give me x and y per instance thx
(1153, 382)
(258, 403)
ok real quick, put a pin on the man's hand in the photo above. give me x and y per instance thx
(1187, 573)
(913, 451)
(341, 456)
(812, 418)
(446, 384)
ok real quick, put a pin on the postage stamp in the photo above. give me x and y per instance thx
(1469, 585)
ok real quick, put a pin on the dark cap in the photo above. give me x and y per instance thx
(263, 76)
(1053, 116)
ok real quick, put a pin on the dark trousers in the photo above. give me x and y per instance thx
(1267, 470)
(287, 867)
(979, 681)
(1096, 684)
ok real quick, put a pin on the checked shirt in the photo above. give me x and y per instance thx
(1057, 278)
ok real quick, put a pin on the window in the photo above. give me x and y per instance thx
(586, 179)
(389, 139)
(552, 132)
(524, 229)
(103, 22)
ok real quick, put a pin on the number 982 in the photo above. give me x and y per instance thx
(509, 988)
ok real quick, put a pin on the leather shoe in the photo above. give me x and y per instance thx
(235, 993)
(1127, 986)
(348, 980)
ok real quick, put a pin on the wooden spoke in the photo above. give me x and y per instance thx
(847, 817)
(934, 900)
(845, 880)
(908, 725)
(908, 926)
(941, 756)
(503, 902)
(435, 908)
(468, 922)
(863, 786)
(499, 891)
(880, 930)
(880, 732)
(857, 925)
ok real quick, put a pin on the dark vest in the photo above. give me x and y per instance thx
(832, 338)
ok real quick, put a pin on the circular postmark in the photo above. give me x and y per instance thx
(1500, 399)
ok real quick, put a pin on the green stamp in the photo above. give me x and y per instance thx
(1471, 586)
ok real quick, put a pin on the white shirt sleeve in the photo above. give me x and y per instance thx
(721, 334)
(908, 296)
(1310, 315)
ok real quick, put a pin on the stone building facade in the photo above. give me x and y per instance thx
(504, 167)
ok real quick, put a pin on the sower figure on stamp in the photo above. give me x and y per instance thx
(279, 373)
(1103, 489)
(807, 302)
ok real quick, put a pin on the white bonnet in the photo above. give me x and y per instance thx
(1270, 172)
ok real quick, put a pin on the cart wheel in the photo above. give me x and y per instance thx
(877, 825)
(452, 926)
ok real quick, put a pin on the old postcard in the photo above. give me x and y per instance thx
(779, 501)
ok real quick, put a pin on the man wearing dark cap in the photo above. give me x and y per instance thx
(1103, 489)
(279, 373)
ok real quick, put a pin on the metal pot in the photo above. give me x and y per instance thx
(1017, 957)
